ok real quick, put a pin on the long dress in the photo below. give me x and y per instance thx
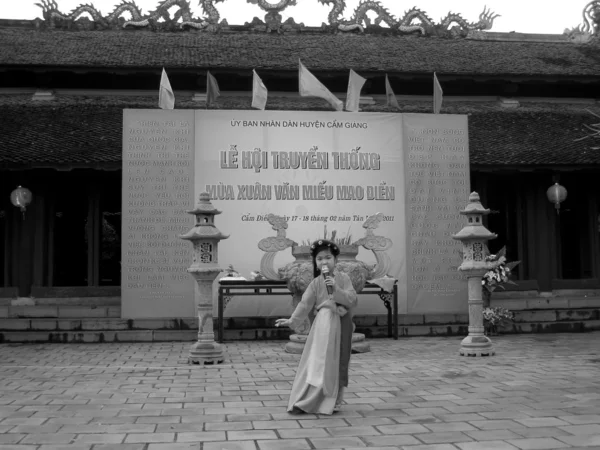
(323, 367)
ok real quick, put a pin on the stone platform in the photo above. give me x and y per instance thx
(538, 392)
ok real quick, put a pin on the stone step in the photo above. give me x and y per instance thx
(79, 317)
(162, 335)
(251, 324)
(100, 324)
(59, 311)
(30, 327)
(97, 336)
(562, 300)
(275, 334)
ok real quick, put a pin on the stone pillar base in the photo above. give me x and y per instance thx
(477, 346)
(297, 341)
(206, 353)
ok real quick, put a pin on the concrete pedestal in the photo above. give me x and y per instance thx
(206, 350)
(476, 343)
(206, 353)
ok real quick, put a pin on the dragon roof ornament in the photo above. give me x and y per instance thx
(413, 21)
(590, 28)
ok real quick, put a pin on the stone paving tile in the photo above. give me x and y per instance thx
(353, 431)
(402, 429)
(578, 420)
(397, 439)
(584, 441)
(582, 429)
(536, 443)
(452, 426)
(49, 438)
(201, 418)
(99, 438)
(498, 415)
(417, 419)
(372, 448)
(539, 432)
(495, 424)
(337, 443)
(275, 424)
(492, 435)
(184, 446)
(326, 423)
(365, 421)
(429, 447)
(445, 437)
(303, 433)
(541, 422)
(251, 434)
(18, 447)
(149, 437)
(281, 444)
(179, 427)
(228, 426)
(247, 417)
(487, 445)
(226, 445)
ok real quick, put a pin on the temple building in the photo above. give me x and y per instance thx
(533, 116)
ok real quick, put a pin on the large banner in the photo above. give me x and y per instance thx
(158, 188)
(437, 187)
(325, 173)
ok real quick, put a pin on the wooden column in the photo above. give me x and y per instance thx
(545, 230)
(521, 224)
(93, 233)
(24, 257)
(50, 255)
(594, 209)
(40, 240)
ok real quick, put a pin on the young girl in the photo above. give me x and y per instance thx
(323, 370)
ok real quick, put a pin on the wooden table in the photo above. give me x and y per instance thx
(234, 288)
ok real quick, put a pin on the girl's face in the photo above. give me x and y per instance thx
(325, 258)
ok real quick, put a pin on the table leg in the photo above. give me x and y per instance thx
(220, 318)
(395, 312)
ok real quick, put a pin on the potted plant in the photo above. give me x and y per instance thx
(494, 317)
(498, 276)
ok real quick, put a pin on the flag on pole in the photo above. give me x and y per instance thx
(166, 97)
(355, 85)
(389, 94)
(309, 86)
(212, 89)
(259, 92)
(438, 95)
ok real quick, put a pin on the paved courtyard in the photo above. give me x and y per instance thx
(539, 392)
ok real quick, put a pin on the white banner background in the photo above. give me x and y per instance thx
(277, 131)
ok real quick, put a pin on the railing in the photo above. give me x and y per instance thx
(231, 288)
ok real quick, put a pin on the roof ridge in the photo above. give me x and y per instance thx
(479, 35)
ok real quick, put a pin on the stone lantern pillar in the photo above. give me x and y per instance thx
(205, 237)
(474, 237)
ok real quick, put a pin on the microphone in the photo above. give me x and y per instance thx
(325, 272)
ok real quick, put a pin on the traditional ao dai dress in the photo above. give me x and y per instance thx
(323, 367)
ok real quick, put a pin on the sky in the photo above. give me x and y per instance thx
(523, 16)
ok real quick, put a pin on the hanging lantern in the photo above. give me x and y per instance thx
(556, 194)
(21, 197)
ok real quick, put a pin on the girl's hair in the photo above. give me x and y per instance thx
(319, 246)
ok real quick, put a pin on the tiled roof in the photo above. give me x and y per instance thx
(87, 132)
(332, 52)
